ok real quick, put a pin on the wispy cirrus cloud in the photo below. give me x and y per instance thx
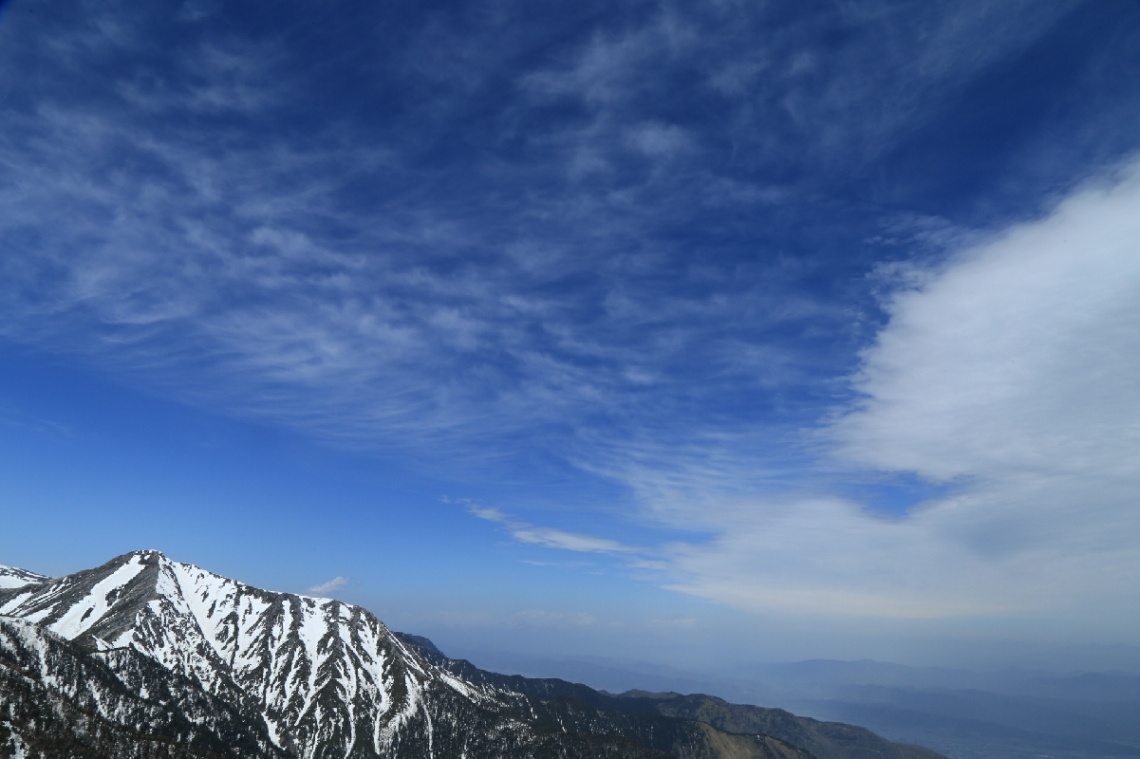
(549, 537)
(208, 259)
(336, 279)
(332, 586)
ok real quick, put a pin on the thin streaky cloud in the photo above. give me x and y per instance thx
(332, 586)
(549, 537)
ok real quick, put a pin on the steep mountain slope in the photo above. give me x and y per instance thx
(145, 656)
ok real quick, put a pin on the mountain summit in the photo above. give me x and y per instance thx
(145, 656)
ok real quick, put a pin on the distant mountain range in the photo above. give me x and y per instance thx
(145, 657)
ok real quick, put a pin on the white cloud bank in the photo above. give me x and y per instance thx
(1012, 374)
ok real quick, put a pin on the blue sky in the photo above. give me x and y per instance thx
(634, 329)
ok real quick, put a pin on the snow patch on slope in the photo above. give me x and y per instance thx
(82, 615)
(15, 602)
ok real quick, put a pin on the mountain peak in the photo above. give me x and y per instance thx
(147, 553)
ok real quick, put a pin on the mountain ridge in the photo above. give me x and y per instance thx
(234, 670)
(831, 739)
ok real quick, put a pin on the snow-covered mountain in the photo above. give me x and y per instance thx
(321, 673)
(184, 662)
